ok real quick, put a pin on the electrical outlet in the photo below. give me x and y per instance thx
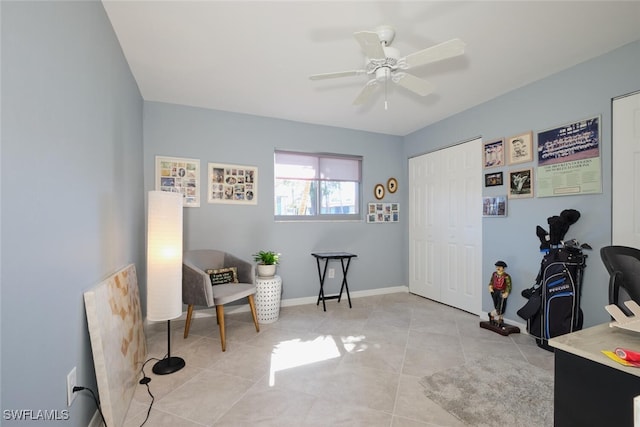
(332, 273)
(71, 383)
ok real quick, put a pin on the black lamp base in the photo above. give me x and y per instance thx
(168, 365)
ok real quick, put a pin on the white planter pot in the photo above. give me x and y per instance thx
(266, 270)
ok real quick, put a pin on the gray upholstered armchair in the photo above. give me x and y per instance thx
(198, 291)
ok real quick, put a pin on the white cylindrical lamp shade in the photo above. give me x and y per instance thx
(164, 256)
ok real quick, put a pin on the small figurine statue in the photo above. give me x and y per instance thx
(499, 287)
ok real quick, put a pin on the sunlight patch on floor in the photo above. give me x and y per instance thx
(295, 353)
(354, 344)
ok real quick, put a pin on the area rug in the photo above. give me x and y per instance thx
(494, 392)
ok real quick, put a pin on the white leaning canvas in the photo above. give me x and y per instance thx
(118, 343)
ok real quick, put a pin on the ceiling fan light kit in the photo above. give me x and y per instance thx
(384, 63)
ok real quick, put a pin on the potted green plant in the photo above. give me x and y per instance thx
(267, 262)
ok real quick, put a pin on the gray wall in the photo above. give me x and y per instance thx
(72, 193)
(220, 137)
(580, 92)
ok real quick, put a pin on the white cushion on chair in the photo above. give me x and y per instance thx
(229, 292)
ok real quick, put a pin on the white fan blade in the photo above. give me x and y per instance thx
(366, 91)
(370, 43)
(435, 53)
(338, 74)
(414, 84)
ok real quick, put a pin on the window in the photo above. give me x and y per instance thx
(317, 186)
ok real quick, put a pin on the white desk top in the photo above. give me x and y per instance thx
(589, 343)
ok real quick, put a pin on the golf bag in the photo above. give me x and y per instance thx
(554, 301)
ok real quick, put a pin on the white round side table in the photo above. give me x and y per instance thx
(268, 291)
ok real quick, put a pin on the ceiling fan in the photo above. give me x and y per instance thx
(383, 63)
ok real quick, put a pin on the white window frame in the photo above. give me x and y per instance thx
(355, 175)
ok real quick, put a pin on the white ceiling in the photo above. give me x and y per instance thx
(256, 57)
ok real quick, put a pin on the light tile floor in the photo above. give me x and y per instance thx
(342, 367)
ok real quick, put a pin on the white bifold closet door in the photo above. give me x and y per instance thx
(626, 171)
(445, 226)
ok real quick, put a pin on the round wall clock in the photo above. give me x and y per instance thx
(378, 191)
(392, 185)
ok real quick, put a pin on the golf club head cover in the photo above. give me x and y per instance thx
(569, 217)
(556, 225)
(544, 238)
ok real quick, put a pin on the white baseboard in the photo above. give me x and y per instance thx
(357, 294)
(211, 312)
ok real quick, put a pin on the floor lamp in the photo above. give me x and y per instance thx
(164, 268)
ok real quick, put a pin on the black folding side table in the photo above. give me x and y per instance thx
(322, 272)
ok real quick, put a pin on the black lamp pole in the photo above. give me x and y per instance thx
(169, 364)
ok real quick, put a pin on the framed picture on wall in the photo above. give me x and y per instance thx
(383, 212)
(232, 184)
(569, 160)
(392, 185)
(493, 179)
(520, 148)
(521, 183)
(179, 175)
(378, 191)
(493, 154)
(494, 206)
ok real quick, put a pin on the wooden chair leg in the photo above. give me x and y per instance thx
(187, 324)
(220, 316)
(252, 305)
